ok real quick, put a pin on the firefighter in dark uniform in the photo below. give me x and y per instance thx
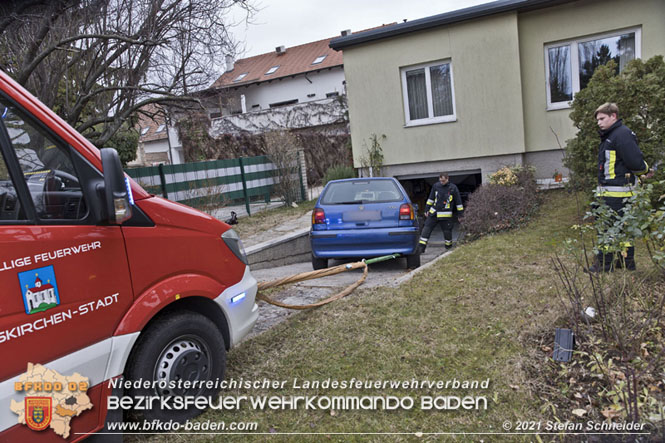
(439, 211)
(619, 162)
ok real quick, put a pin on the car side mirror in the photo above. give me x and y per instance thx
(116, 189)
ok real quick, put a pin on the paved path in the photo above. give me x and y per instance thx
(389, 273)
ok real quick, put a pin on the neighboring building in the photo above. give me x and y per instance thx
(287, 76)
(472, 90)
(291, 88)
(158, 142)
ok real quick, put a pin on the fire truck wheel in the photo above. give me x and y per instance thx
(177, 355)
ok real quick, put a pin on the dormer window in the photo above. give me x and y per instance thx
(240, 77)
(272, 70)
(319, 59)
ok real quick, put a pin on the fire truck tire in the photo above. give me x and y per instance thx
(178, 348)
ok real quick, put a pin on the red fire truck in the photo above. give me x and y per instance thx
(101, 279)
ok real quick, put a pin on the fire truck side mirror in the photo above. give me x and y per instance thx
(116, 188)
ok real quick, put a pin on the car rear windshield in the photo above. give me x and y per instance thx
(362, 191)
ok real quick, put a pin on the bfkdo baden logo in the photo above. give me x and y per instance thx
(40, 290)
(38, 412)
(52, 400)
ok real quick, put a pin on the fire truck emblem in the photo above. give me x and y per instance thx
(40, 290)
(38, 412)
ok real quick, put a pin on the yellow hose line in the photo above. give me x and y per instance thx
(312, 275)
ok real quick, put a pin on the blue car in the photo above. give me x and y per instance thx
(362, 218)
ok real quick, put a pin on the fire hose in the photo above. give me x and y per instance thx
(318, 274)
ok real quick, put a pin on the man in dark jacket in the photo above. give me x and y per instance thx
(619, 162)
(439, 211)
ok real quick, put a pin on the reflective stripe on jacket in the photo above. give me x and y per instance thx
(619, 160)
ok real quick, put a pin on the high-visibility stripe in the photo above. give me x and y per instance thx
(614, 191)
(460, 207)
(448, 242)
(423, 241)
(444, 215)
(614, 194)
(430, 201)
(610, 163)
(432, 210)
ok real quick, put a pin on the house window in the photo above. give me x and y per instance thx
(319, 59)
(428, 93)
(332, 94)
(271, 70)
(145, 130)
(570, 65)
(159, 129)
(240, 77)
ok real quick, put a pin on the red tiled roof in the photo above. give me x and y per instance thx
(295, 60)
(151, 118)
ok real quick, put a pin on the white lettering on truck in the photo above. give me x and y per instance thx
(58, 317)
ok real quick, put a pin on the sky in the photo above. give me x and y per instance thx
(295, 22)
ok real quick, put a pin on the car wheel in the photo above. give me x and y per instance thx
(319, 263)
(177, 348)
(413, 260)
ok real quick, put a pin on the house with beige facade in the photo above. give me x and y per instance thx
(470, 91)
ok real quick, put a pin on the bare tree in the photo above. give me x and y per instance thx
(98, 62)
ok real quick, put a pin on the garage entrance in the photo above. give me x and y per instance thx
(418, 187)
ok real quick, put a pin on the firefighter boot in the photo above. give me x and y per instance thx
(627, 262)
(602, 263)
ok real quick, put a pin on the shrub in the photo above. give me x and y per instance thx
(497, 207)
(338, 172)
(504, 176)
(281, 147)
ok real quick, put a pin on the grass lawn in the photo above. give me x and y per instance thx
(472, 316)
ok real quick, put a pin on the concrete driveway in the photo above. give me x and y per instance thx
(388, 273)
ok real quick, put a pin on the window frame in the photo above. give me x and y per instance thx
(240, 77)
(87, 174)
(430, 103)
(573, 48)
(322, 57)
(272, 70)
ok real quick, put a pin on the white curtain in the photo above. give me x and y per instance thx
(417, 93)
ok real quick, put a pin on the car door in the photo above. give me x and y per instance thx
(64, 274)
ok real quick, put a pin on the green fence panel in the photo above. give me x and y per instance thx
(210, 183)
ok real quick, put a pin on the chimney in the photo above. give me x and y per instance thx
(280, 49)
(346, 32)
(229, 62)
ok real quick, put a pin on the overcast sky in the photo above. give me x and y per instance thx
(294, 22)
